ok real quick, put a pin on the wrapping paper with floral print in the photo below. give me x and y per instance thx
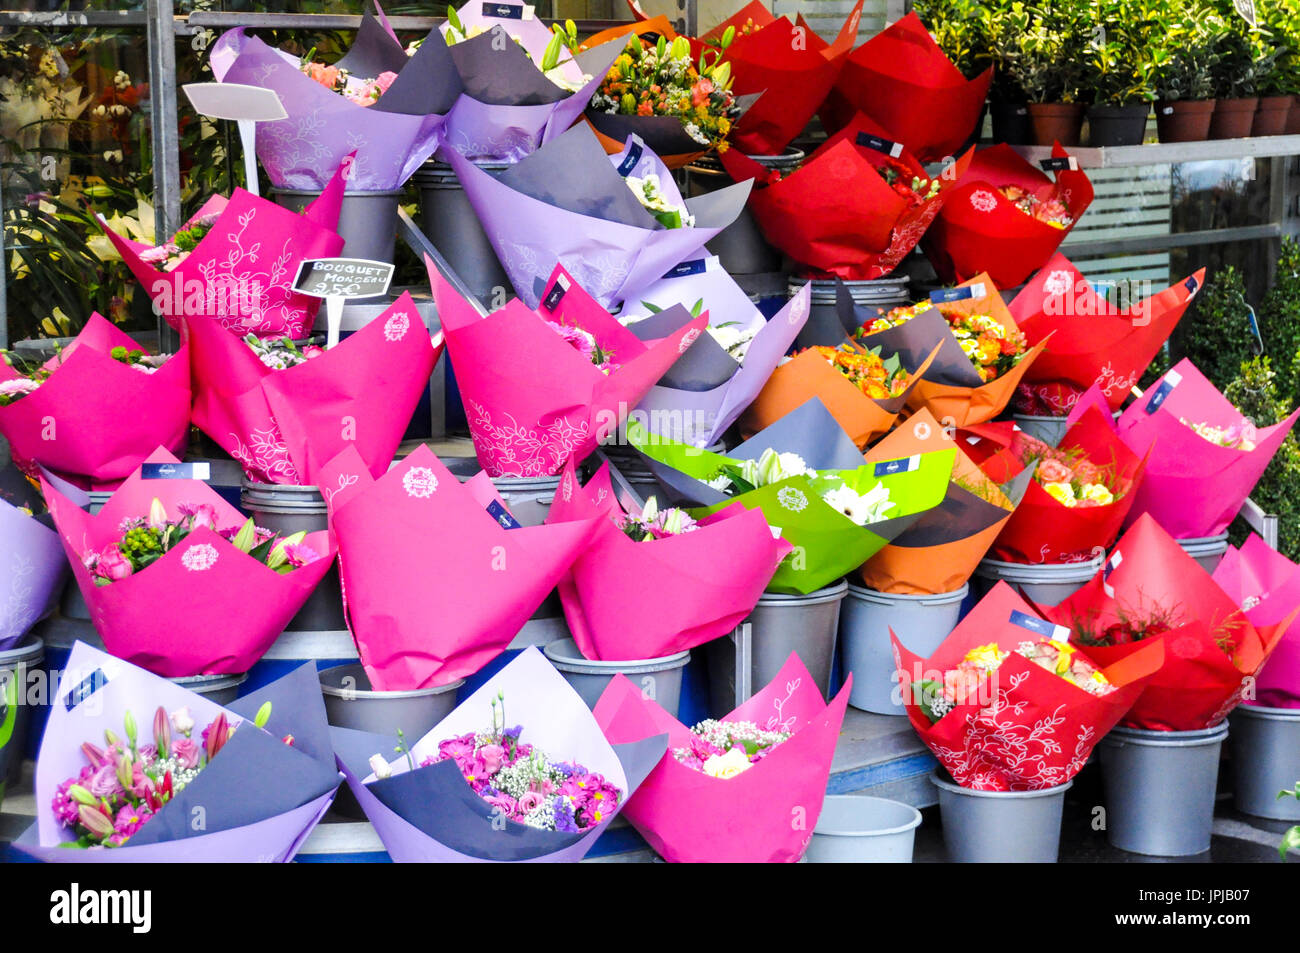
(1034, 729)
(689, 817)
(903, 81)
(1194, 488)
(434, 585)
(569, 203)
(939, 552)
(836, 214)
(950, 387)
(1212, 649)
(260, 797)
(283, 425)
(31, 557)
(613, 594)
(391, 138)
(783, 59)
(533, 400)
(205, 607)
(242, 271)
(94, 419)
(980, 229)
(706, 391)
(1266, 585)
(431, 814)
(1044, 530)
(1093, 341)
(827, 544)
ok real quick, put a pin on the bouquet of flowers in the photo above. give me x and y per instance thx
(1151, 591)
(613, 594)
(384, 526)
(1092, 340)
(1195, 485)
(32, 377)
(1266, 586)
(569, 202)
(939, 552)
(524, 84)
(235, 261)
(728, 790)
(539, 783)
(31, 558)
(1082, 491)
(981, 355)
(710, 386)
(1007, 704)
(811, 482)
(283, 412)
(259, 772)
(178, 581)
(340, 109)
(782, 58)
(89, 413)
(856, 206)
(1006, 217)
(533, 399)
(903, 81)
(878, 378)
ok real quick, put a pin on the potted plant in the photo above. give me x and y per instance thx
(1275, 54)
(1183, 68)
(1047, 68)
(1235, 76)
(962, 28)
(1117, 73)
(1003, 28)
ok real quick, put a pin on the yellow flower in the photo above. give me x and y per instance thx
(1061, 492)
(987, 657)
(1097, 492)
(728, 765)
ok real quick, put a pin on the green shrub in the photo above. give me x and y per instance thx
(1254, 393)
(1279, 320)
(1215, 331)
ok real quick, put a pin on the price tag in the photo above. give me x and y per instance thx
(697, 267)
(338, 279)
(1111, 565)
(890, 467)
(626, 167)
(1057, 633)
(195, 470)
(247, 106)
(891, 149)
(502, 516)
(507, 11)
(85, 688)
(949, 295)
(1172, 380)
(1191, 285)
(1059, 164)
(556, 294)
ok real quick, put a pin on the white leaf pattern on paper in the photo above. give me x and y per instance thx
(265, 457)
(512, 449)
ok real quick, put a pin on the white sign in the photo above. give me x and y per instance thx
(247, 106)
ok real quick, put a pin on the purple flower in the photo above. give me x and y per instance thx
(104, 783)
(564, 820)
(66, 807)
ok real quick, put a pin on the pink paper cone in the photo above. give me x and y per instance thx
(1267, 587)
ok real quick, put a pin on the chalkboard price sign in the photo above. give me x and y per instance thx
(338, 279)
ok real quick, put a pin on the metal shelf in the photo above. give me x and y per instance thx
(1170, 153)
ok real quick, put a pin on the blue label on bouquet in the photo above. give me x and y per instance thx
(554, 296)
(502, 516)
(890, 467)
(201, 470)
(697, 267)
(505, 11)
(1032, 623)
(891, 149)
(1191, 284)
(1158, 397)
(630, 160)
(85, 688)
(947, 295)
(1058, 164)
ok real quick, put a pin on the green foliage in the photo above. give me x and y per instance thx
(1279, 320)
(1215, 331)
(1254, 393)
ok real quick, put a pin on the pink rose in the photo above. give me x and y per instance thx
(530, 802)
(312, 350)
(493, 757)
(204, 514)
(1054, 471)
(186, 751)
(384, 80)
(112, 564)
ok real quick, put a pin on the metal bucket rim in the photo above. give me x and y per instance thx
(1265, 713)
(372, 694)
(246, 484)
(1204, 545)
(210, 683)
(1038, 572)
(27, 652)
(581, 665)
(1146, 738)
(877, 598)
(832, 593)
(943, 784)
(867, 799)
(372, 194)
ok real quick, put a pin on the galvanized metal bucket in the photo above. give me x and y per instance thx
(741, 246)
(1000, 827)
(222, 689)
(660, 679)
(866, 618)
(1050, 430)
(883, 293)
(1044, 584)
(858, 829)
(367, 220)
(72, 603)
(1160, 789)
(1266, 760)
(17, 665)
(1206, 550)
(449, 221)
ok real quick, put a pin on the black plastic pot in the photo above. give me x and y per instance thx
(1117, 125)
(1011, 123)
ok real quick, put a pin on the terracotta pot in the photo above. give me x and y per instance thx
(1186, 120)
(1011, 123)
(1117, 125)
(1056, 122)
(1233, 118)
(1271, 118)
(1293, 117)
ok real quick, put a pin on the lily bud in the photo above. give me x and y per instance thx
(680, 48)
(728, 35)
(128, 722)
(216, 735)
(157, 515)
(552, 55)
(673, 522)
(650, 512)
(722, 75)
(124, 772)
(93, 820)
(381, 767)
(279, 552)
(80, 794)
(162, 734)
(246, 538)
(93, 754)
(263, 715)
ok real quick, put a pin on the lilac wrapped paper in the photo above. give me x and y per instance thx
(392, 137)
(34, 568)
(431, 814)
(569, 203)
(259, 797)
(706, 391)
